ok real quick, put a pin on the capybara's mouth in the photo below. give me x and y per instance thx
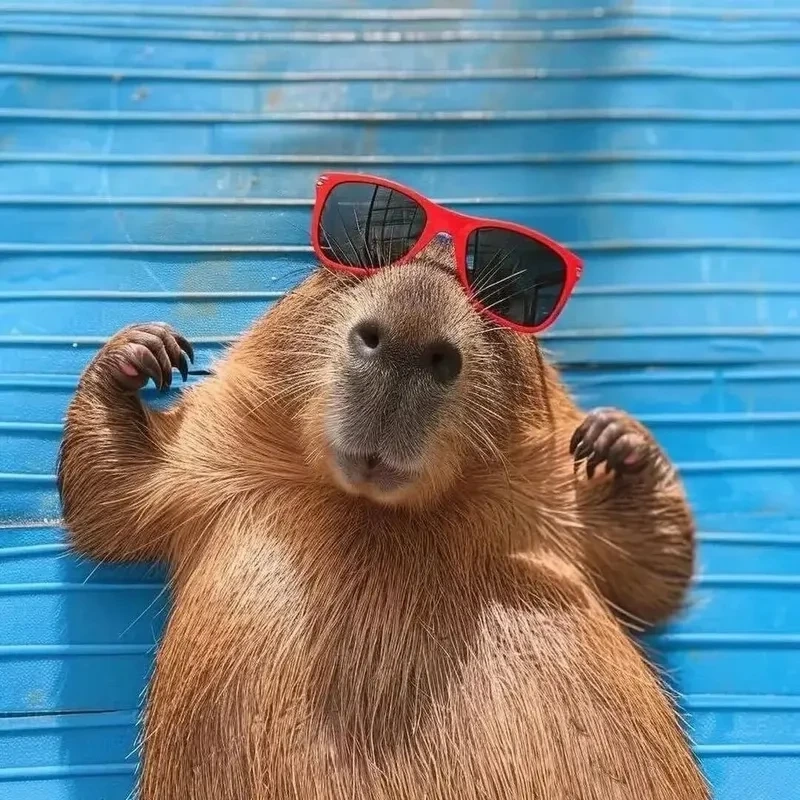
(369, 472)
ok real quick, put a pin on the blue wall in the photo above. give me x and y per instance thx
(157, 163)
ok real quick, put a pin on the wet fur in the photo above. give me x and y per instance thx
(461, 643)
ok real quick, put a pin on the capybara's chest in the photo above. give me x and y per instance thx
(301, 684)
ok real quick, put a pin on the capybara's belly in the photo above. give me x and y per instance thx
(520, 699)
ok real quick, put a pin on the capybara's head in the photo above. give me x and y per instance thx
(401, 387)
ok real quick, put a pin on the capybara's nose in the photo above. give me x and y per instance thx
(373, 343)
(366, 339)
(442, 360)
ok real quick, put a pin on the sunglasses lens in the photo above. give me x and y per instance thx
(369, 226)
(514, 276)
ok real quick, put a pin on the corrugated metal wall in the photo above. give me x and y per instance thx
(156, 162)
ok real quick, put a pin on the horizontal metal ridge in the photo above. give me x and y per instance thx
(188, 249)
(757, 580)
(98, 341)
(117, 74)
(754, 539)
(65, 771)
(721, 115)
(402, 14)
(182, 297)
(748, 750)
(720, 418)
(683, 375)
(77, 588)
(28, 478)
(29, 525)
(711, 331)
(742, 465)
(628, 198)
(37, 381)
(441, 160)
(32, 427)
(67, 650)
(69, 720)
(771, 641)
(401, 36)
(32, 550)
(743, 702)
(45, 381)
(609, 245)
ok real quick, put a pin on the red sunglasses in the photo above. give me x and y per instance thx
(513, 275)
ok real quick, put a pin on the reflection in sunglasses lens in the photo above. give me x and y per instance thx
(514, 276)
(369, 226)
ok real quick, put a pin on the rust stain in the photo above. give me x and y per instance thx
(274, 98)
(204, 276)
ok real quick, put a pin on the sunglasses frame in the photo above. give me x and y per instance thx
(439, 219)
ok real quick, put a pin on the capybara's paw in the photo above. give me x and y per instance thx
(614, 437)
(141, 352)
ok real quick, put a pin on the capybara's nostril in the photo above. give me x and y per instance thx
(443, 360)
(365, 339)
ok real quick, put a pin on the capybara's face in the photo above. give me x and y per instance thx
(406, 386)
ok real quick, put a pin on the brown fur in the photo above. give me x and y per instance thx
(452, 643)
